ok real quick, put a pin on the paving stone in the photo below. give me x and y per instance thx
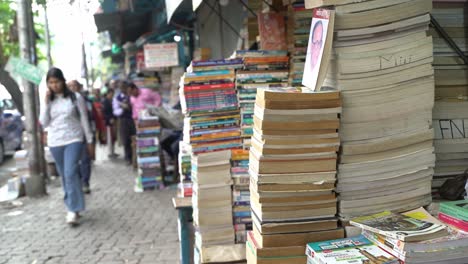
(118, 227)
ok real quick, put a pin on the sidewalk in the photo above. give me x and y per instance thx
(119, 226)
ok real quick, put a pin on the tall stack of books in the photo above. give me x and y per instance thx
(262, 69)
(185, 169)
(241, 194)
(211, 129)
(293, 170)
(148, 153)
(382, 65)
(298, 29)
(212, 208)
(209, 101)
(455, 214)
(451, 80)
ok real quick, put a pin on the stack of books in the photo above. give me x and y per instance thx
(450, 141)
(212, 208)
(148, 153)
(415, 237)
(262, 69)
(455, 214)
(298, 29)
(185, 169)
(209, 102)
(382, 64)
(292, 168)
(451, 80)
(241, 194)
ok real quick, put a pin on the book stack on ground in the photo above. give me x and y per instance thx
(262, 69)
(209, 102)
(451, 80)
(241, 194)
(353, 250)
(415, 237)
(298, 29)
(455, 214)
(212, 209)
(148, 153)
(382, 65)
(292, 168)
(450, 141)
(185, 168)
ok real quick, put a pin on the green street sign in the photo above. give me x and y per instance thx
(24, 69)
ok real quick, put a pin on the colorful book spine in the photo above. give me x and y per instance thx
(458, 223)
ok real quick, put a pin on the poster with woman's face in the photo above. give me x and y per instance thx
(318, 35)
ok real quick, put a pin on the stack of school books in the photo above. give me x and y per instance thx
(382, 64)
(261, 69)
(185, 169)
(415, 237)
(209, 102)
(298, 29)
(455, 214)
(241, 194)
(148, 153)
(451, 80)
(212, 208)
(293, 172)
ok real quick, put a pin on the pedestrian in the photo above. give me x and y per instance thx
(141, 97)
(66, 118)
(100, 120)
(109, 120)
(84, 169)
(123, 110)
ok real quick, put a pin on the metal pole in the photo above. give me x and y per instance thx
(47, 38)
(35, 183)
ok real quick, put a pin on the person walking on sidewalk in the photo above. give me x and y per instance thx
(66, 118)
(84, 170)
(109, 120)
(123, 110)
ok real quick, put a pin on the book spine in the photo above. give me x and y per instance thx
(216, 62)
(193, 88)
(383, 246)
(460, 224)
(209, 73)
(454, 212)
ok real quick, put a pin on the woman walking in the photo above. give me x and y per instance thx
(66, 119)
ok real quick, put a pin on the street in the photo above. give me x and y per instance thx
(6, 169)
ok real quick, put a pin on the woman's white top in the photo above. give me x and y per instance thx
(66, 121)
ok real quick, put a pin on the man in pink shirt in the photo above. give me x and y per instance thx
(141, 97)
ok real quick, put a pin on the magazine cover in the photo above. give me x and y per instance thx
(398, 226)
(319, 48)
(354, 250)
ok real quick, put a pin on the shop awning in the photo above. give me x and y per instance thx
(123, 26)
(178, 8)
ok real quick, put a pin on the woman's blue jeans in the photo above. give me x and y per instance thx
(67, 161)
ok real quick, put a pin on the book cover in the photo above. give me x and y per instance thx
(457, 209)
(399, 226)
(353, 250)
(319, 48)
(272, 31)
(458, 223)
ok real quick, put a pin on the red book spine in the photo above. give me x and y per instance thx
(460, 224)
(221, 86)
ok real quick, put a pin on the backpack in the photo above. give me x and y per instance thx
(454, 189)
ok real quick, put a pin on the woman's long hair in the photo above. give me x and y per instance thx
(58, 74)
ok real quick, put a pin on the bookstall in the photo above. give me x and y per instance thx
(346, 161)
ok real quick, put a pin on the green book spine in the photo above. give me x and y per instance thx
(454, 210)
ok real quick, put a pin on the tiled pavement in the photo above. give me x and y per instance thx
(119, 226)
